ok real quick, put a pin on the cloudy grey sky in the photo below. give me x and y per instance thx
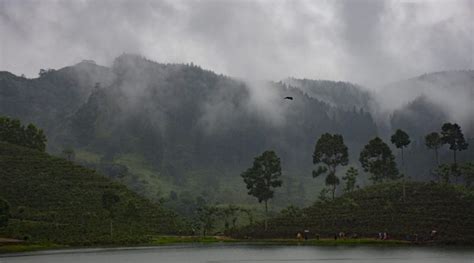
(363, 41)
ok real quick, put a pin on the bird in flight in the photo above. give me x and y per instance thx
(288, 98)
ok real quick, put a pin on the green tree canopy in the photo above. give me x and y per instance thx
(452, 135)
(377, 159)
(263, 177)
(401, 140)
(12, 131)
(330, 152)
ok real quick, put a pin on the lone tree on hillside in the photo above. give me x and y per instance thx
(350, 178)
(401, 140)
(452, 135)
(377, 159)
(109, 201)
(263, 177)
(330, 152)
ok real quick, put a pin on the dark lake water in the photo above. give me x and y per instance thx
(248, 253)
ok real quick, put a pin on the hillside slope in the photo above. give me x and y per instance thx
(51, 98)
(54, 200)
(380, 208)
(426, 101)
(162, 128)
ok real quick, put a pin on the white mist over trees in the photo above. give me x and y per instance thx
(168, 119)
(366, 42)
(191, 128)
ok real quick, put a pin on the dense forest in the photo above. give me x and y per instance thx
(182, 135)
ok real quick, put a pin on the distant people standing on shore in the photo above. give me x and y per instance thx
(306, 234)
(298, 236)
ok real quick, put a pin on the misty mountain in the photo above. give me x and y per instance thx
(54, 96)
(181, 116)
(419, 117)
(160, 127)
(336, 93)
(428, 100)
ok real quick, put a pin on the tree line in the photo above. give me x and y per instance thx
(376, 159)
(12, 131)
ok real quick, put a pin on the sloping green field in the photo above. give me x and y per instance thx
(381, 208)
(53, 200)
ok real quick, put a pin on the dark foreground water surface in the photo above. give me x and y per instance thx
(248, 253)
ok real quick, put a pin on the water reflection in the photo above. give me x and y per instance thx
(248, 253)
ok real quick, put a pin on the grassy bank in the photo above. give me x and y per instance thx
(27, 247)
(176, 240)
(55, 201)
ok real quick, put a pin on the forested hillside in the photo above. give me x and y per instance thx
(179, 130)
(52, 97)
(52, 200)
(340, 94)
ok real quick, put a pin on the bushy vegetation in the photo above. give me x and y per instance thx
(12, 131)
(380, 208)
(53, 200)
(4, 213)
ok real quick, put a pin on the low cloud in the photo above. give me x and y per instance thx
(367, 42)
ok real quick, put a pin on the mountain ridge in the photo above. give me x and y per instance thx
(178, 127)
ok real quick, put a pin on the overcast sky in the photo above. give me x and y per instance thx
(367, 42)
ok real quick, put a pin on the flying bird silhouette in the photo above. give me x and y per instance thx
(288, 98)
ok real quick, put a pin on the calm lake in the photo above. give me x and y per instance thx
(248, 253)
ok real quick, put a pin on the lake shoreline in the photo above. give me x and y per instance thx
(162, 241)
